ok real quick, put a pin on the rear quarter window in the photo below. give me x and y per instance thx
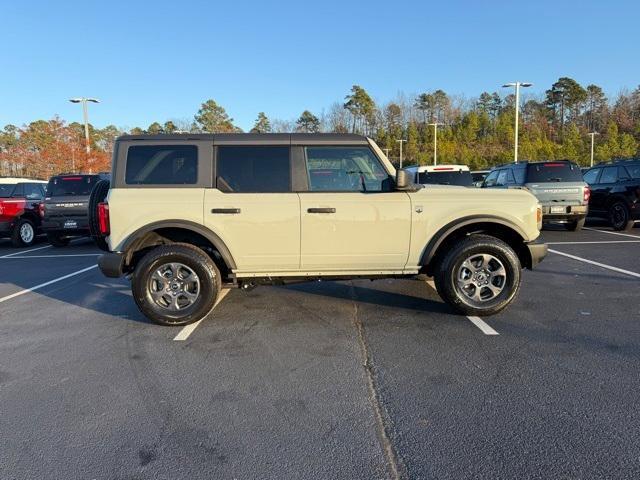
(162, 165)
(553, 172)
(634, 171)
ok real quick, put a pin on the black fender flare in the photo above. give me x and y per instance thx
(215, 240)
(432, 247)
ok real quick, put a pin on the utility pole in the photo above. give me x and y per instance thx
(592, 135)
(85, 115)
(401, 142)
(386, 152)
(435, 141)
(517, 86)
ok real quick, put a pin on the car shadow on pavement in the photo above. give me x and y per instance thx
(373, 296)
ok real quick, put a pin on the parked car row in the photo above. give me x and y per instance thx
(58, 208)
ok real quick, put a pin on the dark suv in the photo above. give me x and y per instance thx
(19, 201)
(615, 192)
(558, 185)
(65, 209)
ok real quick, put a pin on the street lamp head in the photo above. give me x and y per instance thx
(506, 85)
(75, 100)
(526, 84)
(94, 100)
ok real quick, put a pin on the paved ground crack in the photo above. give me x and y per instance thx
(383, 422)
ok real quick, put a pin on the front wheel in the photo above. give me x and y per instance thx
(619, 217)
(176, 284)
(479, 276)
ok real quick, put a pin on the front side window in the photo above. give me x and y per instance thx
(491, 179)
(162, 165)
(262, 169)
(634, 171)
(32, 191)
(345, 169)
(609, 175)
(591, 176)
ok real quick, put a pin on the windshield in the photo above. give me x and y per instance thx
(553, 172)
(462, 178)
(76, 185)
(6, 189)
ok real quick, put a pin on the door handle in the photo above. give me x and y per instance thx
(227, 211)
(321, 210)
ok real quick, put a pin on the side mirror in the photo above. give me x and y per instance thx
(403, 179)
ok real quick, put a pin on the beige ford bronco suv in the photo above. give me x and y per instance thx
(186, 215)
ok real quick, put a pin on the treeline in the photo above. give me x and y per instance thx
(477, 131)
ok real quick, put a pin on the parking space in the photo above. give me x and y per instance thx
(334, 380)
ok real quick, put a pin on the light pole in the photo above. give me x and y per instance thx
(517, 85)
(401, 142)
(85, 114)
(592, 135)
(435, 141)
(386, 152)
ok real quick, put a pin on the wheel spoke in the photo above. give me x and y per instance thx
(494, 289)
(499, 272)
(469, 266)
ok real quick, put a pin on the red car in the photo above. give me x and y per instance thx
(19, 209)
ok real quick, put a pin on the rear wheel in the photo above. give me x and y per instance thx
(98, 194)
(576, 225)
(619, 217)
(479, 276)
(58, 240)
(24, 233)
(176, 284)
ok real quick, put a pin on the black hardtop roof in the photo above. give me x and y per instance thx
(529, 162)
(256, 138)
(618, 161)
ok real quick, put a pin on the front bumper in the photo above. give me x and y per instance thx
(537, 252)
(111, 264)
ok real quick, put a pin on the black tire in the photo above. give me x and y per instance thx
(58, 240)
(471, 248)
(98, 195)
(18, 238)
(576, 225)
(619, 217)
(144, 284)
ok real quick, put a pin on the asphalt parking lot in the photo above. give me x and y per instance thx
(325, 380)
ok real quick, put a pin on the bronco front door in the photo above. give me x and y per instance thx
(351, 219)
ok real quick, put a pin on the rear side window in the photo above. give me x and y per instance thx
(6, 189)
(609, 175)
(553, 172)
(162, 165)
(253, 169)
(591, 176)
(622, 174)
(455, 177)
(71, 186)
(345, 169)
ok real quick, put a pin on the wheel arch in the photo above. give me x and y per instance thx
(498, 227)
(173, 231)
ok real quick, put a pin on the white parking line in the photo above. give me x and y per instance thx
(37, 287)
(188, 329)
(611, 233)
(70, 255)
(477, 321)
(586, 243)
(597, 264)
(24, 251)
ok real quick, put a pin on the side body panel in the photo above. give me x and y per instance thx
(133, 208)
(433, 207)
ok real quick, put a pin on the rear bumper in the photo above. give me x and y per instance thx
(5, 228)
(111, 264)
(570, 213)
(51, 226)
(537, 252)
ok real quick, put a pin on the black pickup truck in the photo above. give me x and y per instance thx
(65, 209)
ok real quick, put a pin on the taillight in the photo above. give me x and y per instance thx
(41, 209)
(1, 207)
(103, 218)
(587, 194)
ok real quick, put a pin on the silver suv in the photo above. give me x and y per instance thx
(187, 215)
(558, 185)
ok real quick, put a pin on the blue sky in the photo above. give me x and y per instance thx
(159, 60)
